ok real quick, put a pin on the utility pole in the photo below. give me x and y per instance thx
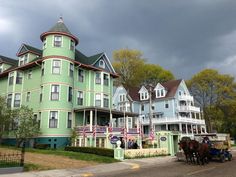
(150, 113)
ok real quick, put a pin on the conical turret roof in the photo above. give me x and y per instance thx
(60, 28)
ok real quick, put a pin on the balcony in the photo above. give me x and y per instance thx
(173, 120)
(186, 98)
(188, 108)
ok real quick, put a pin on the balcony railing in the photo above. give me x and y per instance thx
(173, 120)
(188, 108)
(105, 129)
(186, 98)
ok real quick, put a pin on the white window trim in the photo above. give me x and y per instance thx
(52, 66)
(83, 75)
(71, 120)
(69, 68)
(27, 96)
(61, 41)
(44, 42)
(58, 118)
(59, 97)
(70, 45)
(102, 66)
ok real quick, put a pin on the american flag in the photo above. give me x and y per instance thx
(110, 132)
(94, 130)
(84, 133)
(125, 133)
(151, 136)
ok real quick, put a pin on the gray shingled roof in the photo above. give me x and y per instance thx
(60, 27)
(8, 60)
(30, 48)
(84, 59)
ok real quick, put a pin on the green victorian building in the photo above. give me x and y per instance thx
(65, 88)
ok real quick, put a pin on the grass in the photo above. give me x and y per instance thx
(75, 155)
(69, 154)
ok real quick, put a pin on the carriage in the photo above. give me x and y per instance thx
(219, 144)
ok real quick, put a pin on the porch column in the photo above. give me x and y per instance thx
(180, 127)
(196, 128)
(166, 127)
(111, 125)
(192, 128)
(186, 125)
(91, 121)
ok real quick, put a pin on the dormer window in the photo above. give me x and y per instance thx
(102, 64)
(160, 93)
(57, 41)
(23, 60)
(143, 95)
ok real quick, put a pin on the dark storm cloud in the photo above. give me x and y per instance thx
(184, 36)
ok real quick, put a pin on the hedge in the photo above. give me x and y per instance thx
(92, 150)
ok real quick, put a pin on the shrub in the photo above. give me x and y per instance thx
(42, 146)
(92, 150)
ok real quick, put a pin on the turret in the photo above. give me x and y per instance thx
(59, 40)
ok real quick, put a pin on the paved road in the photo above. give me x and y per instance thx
(180, 169)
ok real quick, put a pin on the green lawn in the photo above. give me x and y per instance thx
(69, 154)
(75, 155)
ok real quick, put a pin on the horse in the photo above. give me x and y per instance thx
(201, 151)
(193, 149)
(184, 144)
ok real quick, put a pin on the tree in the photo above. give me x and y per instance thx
(212, 91)
(134, 71)
(5, 117)
(26, 126)
(153, 74)
(128, 64)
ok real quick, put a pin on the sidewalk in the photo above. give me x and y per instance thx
(98, 169)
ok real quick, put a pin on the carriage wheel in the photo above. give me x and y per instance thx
(222, 158)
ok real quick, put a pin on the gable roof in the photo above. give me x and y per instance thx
(8, 60)
(27, 48)
(170, 86)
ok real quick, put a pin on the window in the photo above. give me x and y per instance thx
(56, 66)
(153, 107)
(144, 95)
(166, 104)
(80, 98)
(35, 118)
(81, 75)
(98, 100)
(122, 97)
(142, 107)
(41, 94)
(53, 119)
(57, 41)
(17, 100)
(42, 69)
(105, 101)
(98, 78)
(101, 64)
(27, 96)
(23, 60)
(69, 120)
(9, 100)
(11, 78)
(30, 74)
(72, 45)
(55, 92)
(160, 93)
(44, 43)
(70, 94)
(71, 70)
(105, 79)
(18, 78)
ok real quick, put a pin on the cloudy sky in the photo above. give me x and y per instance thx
(184, 36)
